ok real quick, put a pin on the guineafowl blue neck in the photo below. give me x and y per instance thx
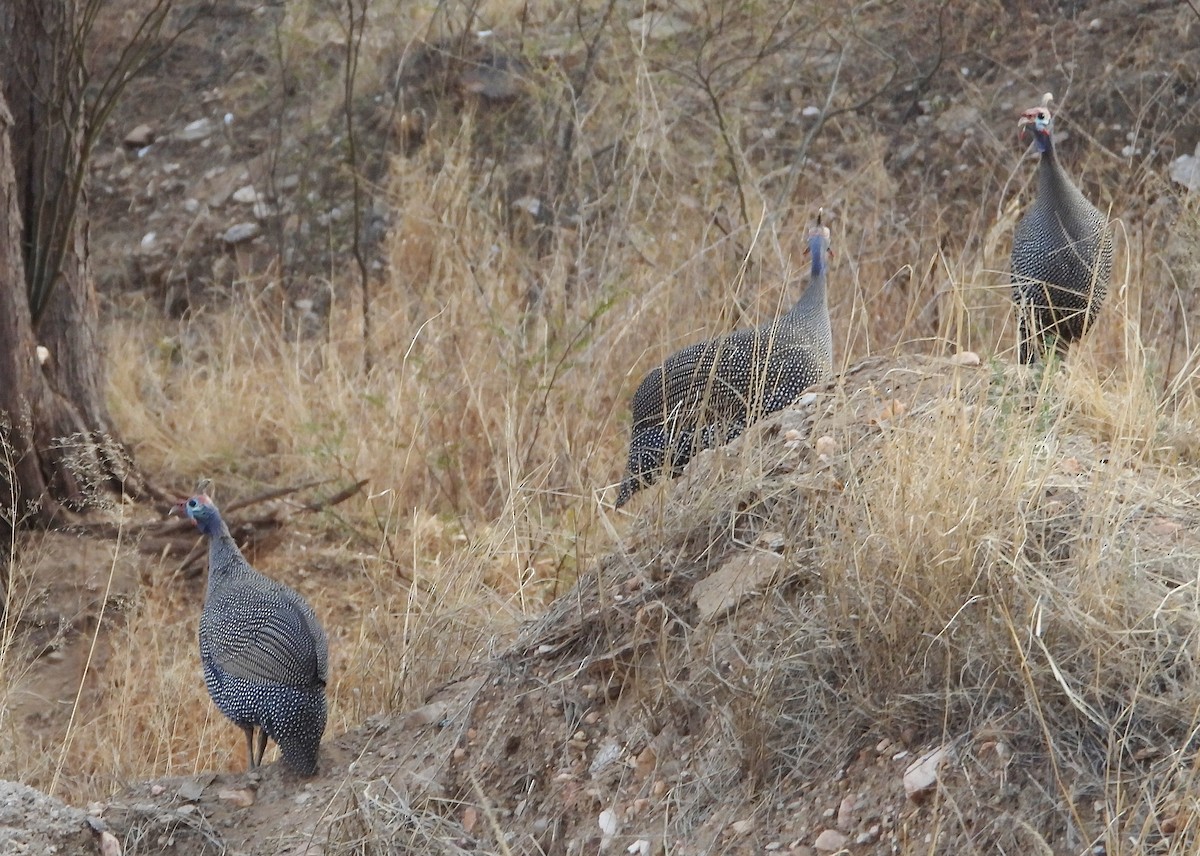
(212, 525)
(813, 299)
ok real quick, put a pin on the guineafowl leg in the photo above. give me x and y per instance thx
(261, 748)
(248, 730)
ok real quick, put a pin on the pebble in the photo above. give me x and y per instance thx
(191, 790)
(240, 797)
(741, 827)
(240, 233)
(830, 841)
(922, 774)
(826, 446)
(845, 812)
(246, 195)
(197, 130)
(139, 137)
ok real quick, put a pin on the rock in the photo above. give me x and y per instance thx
(1185, 170)
(645, 762)
(608, 823)
(921, 777)
(34, 822)
(139, 137)
(741, 827)
(246, 194)
(240, 797)
(197, 130)
(657, 26)
(192, 789)
(826, 446)
(845, 813)
(965, 358)
(868, 837)
(736, 580)
(241, 233)
(830, 841)
(609, 751)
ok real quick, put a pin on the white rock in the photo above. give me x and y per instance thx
(658, 25)
(240, 233)
(921, 777)
(246, 195)
(148, 240)
(197, 130)
(810, 111)
(845, 812)
(1185, 170)
(140, 137)
(830, 841)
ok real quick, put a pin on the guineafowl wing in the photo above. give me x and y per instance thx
(282, 645)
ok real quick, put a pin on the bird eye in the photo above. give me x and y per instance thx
(192, 503)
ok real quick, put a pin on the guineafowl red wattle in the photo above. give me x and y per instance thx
(265, 656)
(1062, 253)
(707, 393)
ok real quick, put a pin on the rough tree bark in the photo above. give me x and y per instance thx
(54, 425)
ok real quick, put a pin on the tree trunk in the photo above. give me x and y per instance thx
(54, 425)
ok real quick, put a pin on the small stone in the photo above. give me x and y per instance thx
(529, 204)
(429, 714)
(470, 817)
(845, 812)
(109, 844)
(191, 790)
(241, 233)
(810, 111)
(868, 837)
(741, 827)
(460, 755)
(890, 410)
(830, 841)
(240, 797)
(826, 446)
(965, 358)
(245, 194)
(608, 822)
(139, 137)
(197, 130)
(921, 777)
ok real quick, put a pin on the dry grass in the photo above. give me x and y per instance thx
(967, 571)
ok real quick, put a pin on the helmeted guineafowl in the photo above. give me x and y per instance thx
(265, 656)
(707, 393)
(1062, 253)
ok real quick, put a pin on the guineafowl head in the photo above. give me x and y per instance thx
(1039, 121)
(818, 245)
(202, 512)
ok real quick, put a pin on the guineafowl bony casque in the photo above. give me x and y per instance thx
(265, 656)
(1062, 254)
(707, 393)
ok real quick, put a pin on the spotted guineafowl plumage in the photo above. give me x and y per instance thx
(707, 393)
(1062, 253)
(265, 656)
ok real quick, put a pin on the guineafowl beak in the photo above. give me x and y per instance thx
(177, 509)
